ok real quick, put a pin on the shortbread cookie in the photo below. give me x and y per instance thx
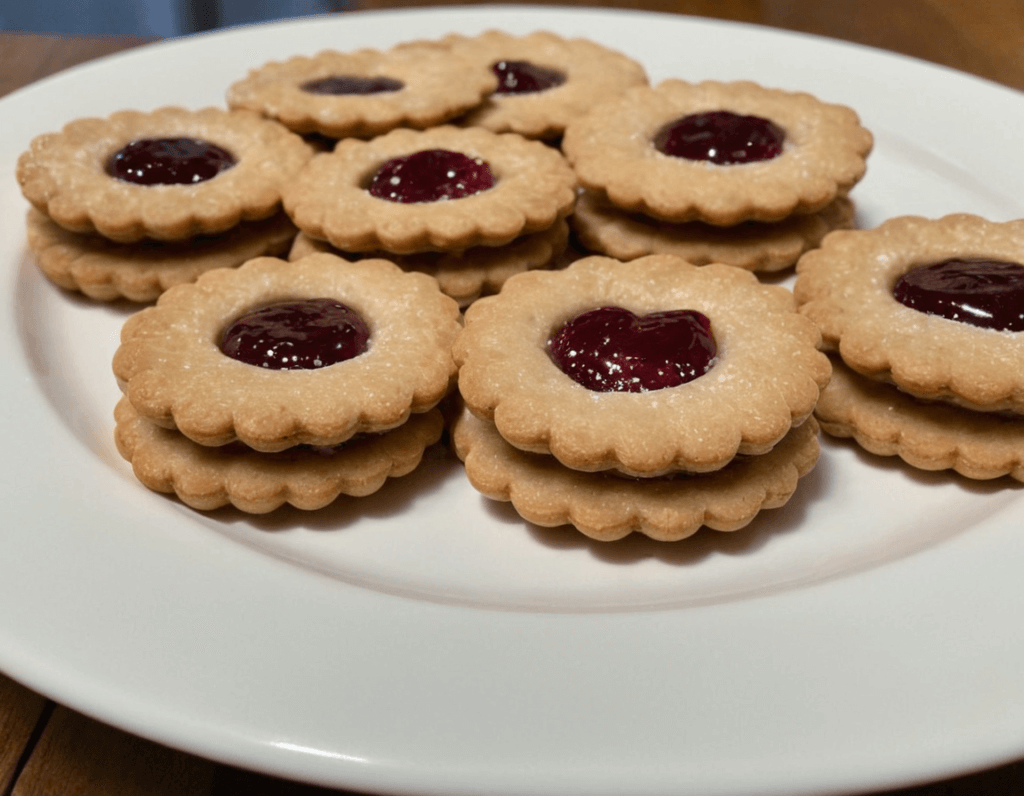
(105, 270)
(366, 92)
(545, 81)
(726, 367)
(604, 229)
(435, 190)
(309, 478)
(356, 347)
(847, 288)
(169, 174)
(466, 275)
(928, 435)
(716, 152)
(607, 507)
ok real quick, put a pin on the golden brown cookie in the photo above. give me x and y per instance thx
(483, 189)
(763, 378)
(233, 164)
(847, 288)
(546, 80)
(105, 270)
(754, 246)
(366, 92)
(647, 151)
(396, 360)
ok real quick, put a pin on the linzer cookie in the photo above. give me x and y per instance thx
(631, 372)
(366, 92)
(544, 80)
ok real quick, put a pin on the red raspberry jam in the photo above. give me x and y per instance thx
(169, 161)
(522, 77)
(985, 293)
(430, 176)
(611, 349)
(339, 85)
(721, 137)
(297, 335)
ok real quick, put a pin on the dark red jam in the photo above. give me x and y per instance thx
(430, 176)
(339, 85)
(169, 161)
(522, 77)
(985, 293)
(297, 335)
(610, 349)
(721, 137)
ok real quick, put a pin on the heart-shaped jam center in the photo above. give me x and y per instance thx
(430, 176)
(339, 85)
(169, 161)
(297, 335)
(611, 349)
(721, 137)
(522, 77)
(985, 293)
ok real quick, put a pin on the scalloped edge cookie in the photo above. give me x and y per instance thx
(439, 85)
(173, 372)
(593, 72)
(607, 507)
(63, 175)
(845, 287)
(765, 379)
(753, 246)
(207, 478)
(534, 187)
(612, 150)
(140, 272)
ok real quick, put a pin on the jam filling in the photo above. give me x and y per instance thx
(721, 137)
(340, 85)
(611, 349)
(522, 77)
(297, 335)
(430, 176)
(985, 293)
(169, 161)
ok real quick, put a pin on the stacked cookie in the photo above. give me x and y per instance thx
(651, 396)
(132, 204)
(715, 172)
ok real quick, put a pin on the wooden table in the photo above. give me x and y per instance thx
(46, 749)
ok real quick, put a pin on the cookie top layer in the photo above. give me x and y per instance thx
(588, 72)
(613, 149)
(846, 288)
(764, 380)
(366, 92)
(532, 187)
(171, 366)
(67, 175)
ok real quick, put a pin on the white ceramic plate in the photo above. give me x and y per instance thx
(426, 641)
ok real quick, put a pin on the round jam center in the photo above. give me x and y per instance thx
(169, 161)
(721, 137)
(430, 176)
(522, 77)
(297, 335)
(985, 293)
(352, 84)
(611, 349)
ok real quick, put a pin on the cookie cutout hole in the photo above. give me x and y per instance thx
(721, 137)
(984, 293)
(611, 349)
(523, 77)
(169, 161)
(349, 85)
(431, 175)
(297, 335)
